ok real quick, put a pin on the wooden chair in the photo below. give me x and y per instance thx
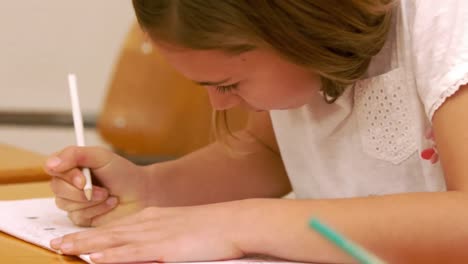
(151, 110)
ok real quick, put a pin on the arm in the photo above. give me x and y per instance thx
(403, 228)
(209, 175)
(212, 174)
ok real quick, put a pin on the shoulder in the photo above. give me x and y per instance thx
(438, 46)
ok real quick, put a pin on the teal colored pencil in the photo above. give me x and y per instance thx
(357, 252)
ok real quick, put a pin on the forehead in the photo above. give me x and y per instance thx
(201, 64)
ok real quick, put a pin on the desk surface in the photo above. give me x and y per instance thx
(18, 165)
(16, 251)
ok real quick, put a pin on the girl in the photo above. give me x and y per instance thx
(341, 93)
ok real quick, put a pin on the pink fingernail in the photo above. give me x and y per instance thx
(111, 201)
(53, 162)
(77, 181)
(66, 247)
(96, 256)
(56, 242)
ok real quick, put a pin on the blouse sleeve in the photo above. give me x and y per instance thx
(439, 39)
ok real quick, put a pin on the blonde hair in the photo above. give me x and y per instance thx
(334, 38)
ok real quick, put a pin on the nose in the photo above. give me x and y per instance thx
(221, 101)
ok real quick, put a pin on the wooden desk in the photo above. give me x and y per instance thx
(18, 165)
(13, 250)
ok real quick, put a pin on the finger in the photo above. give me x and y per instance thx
(135, 252)
(95, 240)
(79, 221)
(145, 227)
(101, 238)
(49, 162)
(73, 156)
(69, 205)
(84, 217)
(74, 176)
(64, 190)
(59, 241)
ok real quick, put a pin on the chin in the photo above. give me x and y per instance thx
(269, 108)
(289, 107)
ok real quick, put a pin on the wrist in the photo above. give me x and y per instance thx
(140, 177)
(156, 183)
(269, 226)
(249, 225)
(148, 184)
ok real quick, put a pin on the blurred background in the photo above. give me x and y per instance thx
(132, 101)
(41, 42)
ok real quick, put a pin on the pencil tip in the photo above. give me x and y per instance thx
(88, 194)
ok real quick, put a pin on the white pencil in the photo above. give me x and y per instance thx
(78, 123)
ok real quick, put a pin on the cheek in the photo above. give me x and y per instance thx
(280, 93)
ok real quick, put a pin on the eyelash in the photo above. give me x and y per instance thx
(226, 88)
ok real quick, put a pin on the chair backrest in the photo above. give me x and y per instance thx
(151, 110)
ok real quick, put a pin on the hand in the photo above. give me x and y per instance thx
(121, 181)
(176, 234)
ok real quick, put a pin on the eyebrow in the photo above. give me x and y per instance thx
(206, 83)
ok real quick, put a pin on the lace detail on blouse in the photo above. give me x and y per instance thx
(384, 116)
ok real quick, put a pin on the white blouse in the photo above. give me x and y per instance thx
(369, 141)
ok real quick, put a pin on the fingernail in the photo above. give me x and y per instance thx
(99, 194)
(78, 181)
(96, 256)
(53, 162)
(66, 247)
(56, 242)
(111, 201)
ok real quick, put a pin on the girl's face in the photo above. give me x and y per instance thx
(257, 80)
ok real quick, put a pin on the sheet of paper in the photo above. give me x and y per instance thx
(38, 221)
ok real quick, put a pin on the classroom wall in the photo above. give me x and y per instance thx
(41, 41)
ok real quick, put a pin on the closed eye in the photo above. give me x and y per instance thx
(227, 88)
